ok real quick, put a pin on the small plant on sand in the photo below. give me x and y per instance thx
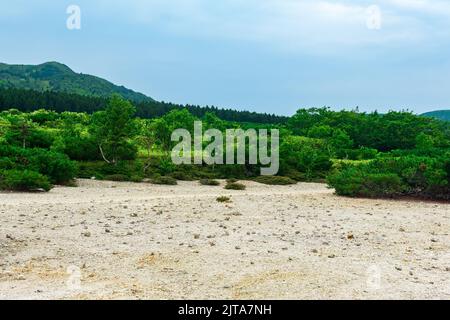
(209, 182)
(164, 180)
(223, 199)
(232, 180)
(275, 180)
(235, 186)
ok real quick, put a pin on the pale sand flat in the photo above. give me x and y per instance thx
(126, 240)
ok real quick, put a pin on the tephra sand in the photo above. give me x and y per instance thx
(109, 240)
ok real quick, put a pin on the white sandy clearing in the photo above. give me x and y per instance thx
(140, 241)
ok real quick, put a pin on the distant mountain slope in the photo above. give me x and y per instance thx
(54, 76)
(440, 114)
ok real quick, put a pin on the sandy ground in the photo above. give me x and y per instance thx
(107, 240)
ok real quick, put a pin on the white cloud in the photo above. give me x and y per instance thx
(287, 24)
(434, 7)
(310, 25)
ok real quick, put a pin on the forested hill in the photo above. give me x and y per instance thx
(441, 114)
(54, 76)
(30, 100)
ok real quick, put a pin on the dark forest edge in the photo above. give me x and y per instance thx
(359, 154)
(30, 100)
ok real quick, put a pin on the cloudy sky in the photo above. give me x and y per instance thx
(264, 55)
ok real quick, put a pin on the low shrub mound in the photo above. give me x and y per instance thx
(26, 180)
(136, 178)
(182, 176)
(235, 186)
(164, 180)
(116, 177)
(392, 177)
(275, 180)
(209, 182)
(232, 180)
(56, 166)
(104, 171)
(223, 199)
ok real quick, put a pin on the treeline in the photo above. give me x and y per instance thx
(360, 155)
(29, 100)
(383, 132)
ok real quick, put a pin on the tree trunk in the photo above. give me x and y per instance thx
(103, 155)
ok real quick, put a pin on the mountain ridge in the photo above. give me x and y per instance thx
(438, 114)
(55, 76)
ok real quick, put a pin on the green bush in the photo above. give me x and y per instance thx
(87, 170)
(56, 166)
(235, 186)
(346, 182)
(116, 177)
(81, 148)
(305, 155)
(36, 138)
(7, 163)
(25, 180)
(182, 176)
(354, 183)
(223, 199)
(232, 180)
(166, 166)
(275, 180)
(209, 182)
(122, 177)
(390, 177)
(102, 170)
(164, 180)
(135, 178)
(232, 171)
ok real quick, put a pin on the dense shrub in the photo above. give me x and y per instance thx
(164, 180)
(23, 180)
(354, 182)
(275, 180)
(81, 148)
(308, 156)
(56, 166)
(116, 177)
(136, 178)
(359, 154)
(182, 176)
(88, 170)
(389, 177)
(223, 199)
(232, 170)
(34, 138)
(209, 182)
(166, 166)
(235, 186)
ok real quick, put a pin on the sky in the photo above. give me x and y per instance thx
(272, 56)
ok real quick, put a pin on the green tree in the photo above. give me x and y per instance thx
(147, 138)
(339, 143)
(20, 130)
(113, 128)
(162, 134)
